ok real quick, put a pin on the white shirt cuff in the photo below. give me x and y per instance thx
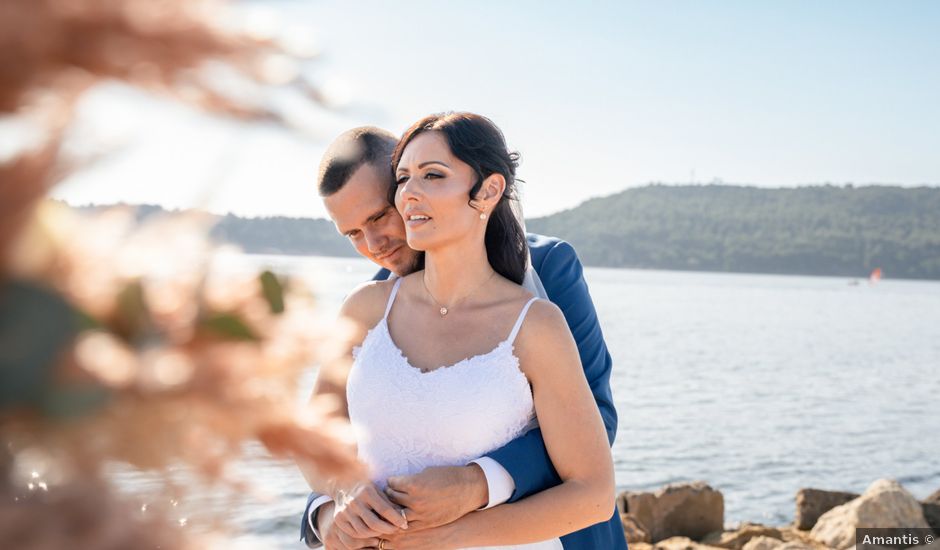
(498, 481)
(312, 514)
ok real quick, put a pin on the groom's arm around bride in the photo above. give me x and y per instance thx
(522, 467)
(354, 180)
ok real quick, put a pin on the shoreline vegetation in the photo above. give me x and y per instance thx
(825, 230)
(690, 516)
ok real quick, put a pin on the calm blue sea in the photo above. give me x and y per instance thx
(758, 384)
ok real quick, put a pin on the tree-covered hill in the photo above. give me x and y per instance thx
(281, 235)
(820, 230)
(264, 235)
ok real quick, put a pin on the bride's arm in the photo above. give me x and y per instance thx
(576, 441)
(329, 389)
(367, 512)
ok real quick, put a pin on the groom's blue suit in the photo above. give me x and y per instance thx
(526, 458)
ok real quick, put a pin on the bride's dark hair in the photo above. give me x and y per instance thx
(478, 142)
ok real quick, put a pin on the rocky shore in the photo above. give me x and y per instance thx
(690, 516)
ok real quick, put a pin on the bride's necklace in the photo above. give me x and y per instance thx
(444, 309)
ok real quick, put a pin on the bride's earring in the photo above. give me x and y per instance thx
(482, 215)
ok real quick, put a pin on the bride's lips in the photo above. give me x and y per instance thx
(413, 224)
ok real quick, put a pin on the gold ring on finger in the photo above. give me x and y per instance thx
(382, 544)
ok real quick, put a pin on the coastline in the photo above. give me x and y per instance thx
(690, 516)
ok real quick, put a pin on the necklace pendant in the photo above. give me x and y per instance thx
(443, 311)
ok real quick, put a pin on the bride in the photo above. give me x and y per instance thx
(458, 359)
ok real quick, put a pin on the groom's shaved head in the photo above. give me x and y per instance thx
(352, 149)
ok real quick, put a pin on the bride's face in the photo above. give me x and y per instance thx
(433, 190)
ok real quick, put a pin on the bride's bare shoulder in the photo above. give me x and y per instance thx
(366, 303)
(548, 354)
(543, 316)
(544, 323)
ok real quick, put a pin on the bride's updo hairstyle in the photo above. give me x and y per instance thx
(476, 141)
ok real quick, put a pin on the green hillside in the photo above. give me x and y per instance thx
(264, 235)
(281, 235)
(821, 230)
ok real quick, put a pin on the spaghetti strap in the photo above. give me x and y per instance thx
(515, 329)
(391, 298)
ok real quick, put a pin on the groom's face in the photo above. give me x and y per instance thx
(362, 213)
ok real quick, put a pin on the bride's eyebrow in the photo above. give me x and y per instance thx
(423, 164)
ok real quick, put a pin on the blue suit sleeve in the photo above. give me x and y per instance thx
(526, 458)
(307, 535)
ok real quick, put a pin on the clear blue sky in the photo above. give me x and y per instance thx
(599, 96)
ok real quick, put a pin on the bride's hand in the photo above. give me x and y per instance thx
(334, 539)
(435, 538)
(364, 512)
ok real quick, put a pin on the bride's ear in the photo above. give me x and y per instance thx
(491, 190)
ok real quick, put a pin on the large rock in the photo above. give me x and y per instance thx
(679, 510)
(763, 543)
(812, 503)
(800, 538)
(738, 538)
(633, 529)
(769, 543)
(932, 515)
(680, 543)
(931, 507)
(884, 504)
(798, 546)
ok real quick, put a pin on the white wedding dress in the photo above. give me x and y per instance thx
(407, 420)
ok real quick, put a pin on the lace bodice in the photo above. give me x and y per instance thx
(407, 420)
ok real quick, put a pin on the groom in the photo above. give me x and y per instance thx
(354, 179)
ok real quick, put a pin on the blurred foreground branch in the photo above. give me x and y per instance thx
(125, 343)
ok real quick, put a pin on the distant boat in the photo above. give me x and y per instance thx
(875, 275)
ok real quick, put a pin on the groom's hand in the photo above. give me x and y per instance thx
(439, 495)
